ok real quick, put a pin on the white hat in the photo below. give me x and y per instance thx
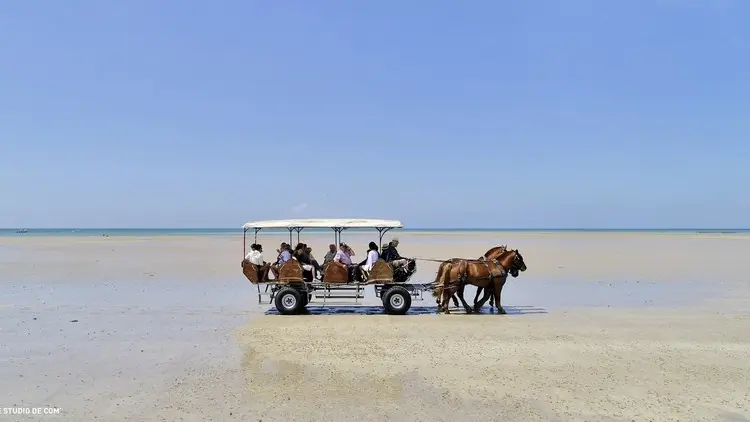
(395, 239)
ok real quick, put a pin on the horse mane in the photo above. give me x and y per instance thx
(489, 252)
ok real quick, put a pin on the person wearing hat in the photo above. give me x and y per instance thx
(344, 256)
(391, 255)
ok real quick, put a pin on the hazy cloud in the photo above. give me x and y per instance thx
(299, 207)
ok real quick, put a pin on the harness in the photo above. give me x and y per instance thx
(463, 272)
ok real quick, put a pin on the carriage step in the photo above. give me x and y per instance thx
(333, 296)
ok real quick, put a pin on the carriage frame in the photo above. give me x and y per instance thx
(291, 292)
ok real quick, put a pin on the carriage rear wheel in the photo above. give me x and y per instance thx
(289, 301)
(396, 300)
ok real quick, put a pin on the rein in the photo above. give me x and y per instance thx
(451, 259)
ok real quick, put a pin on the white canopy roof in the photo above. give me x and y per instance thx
(323, 223)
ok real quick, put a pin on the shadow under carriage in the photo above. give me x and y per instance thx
(415, 310)
(382, 273)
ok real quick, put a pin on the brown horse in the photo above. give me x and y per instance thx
(479, 273)
(491, 254)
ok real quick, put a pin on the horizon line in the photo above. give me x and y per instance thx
(239, 229)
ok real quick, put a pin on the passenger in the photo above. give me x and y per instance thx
(300, 252)
(314, 262)
(301, 255)
(391, 256)
(344, 256)
(285, 253)
(330, 254)
(372, 256)
(255, 256)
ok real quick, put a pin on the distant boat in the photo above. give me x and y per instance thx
(22, 231)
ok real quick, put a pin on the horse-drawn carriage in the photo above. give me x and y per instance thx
(292, 285)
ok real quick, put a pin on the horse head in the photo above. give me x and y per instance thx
(513, 262)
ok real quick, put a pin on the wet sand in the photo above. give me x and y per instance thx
(601, 327)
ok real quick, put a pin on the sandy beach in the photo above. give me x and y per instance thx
(602, 326)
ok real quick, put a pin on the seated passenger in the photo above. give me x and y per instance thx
(314, 263)
(330, 254)
(344, 256)
(301, 255)
(372, 256)
(285, 254)
(391, 256)
(255, 256)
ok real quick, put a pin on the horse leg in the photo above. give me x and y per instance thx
(441, 270)
(498, 293)
(489, 293)
(447, 291)
(476, 297)
(478, 306)
(461, 288)
(446, 300)
(439, 288)
(455, 299)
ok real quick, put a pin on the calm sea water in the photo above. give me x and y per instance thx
(225, 231)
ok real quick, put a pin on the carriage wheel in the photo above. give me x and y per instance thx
(397, 300)
(289, 301)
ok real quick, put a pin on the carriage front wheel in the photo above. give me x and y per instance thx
(289, 301)
(396, 300)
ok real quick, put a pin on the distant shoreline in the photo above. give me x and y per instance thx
(65, 232)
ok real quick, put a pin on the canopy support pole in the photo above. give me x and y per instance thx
(382, 231)
(244, 243)
(337, 235)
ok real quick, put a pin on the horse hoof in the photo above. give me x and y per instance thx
(501, 311)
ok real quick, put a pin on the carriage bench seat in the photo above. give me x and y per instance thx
(291, 272)
(335, 273)
(252, 272)
(381, 273)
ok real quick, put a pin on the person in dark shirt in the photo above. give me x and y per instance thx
(391, 255)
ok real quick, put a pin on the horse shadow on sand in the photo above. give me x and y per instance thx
(414, 310)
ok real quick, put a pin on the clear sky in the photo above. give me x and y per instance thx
(476, 113)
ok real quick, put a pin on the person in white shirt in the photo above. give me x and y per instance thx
(255, 256)
(372, 256)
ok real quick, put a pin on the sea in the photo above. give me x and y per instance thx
(147, 232)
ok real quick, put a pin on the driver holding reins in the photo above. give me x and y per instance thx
(391, 256)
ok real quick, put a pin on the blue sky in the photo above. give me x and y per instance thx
(613, 114)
